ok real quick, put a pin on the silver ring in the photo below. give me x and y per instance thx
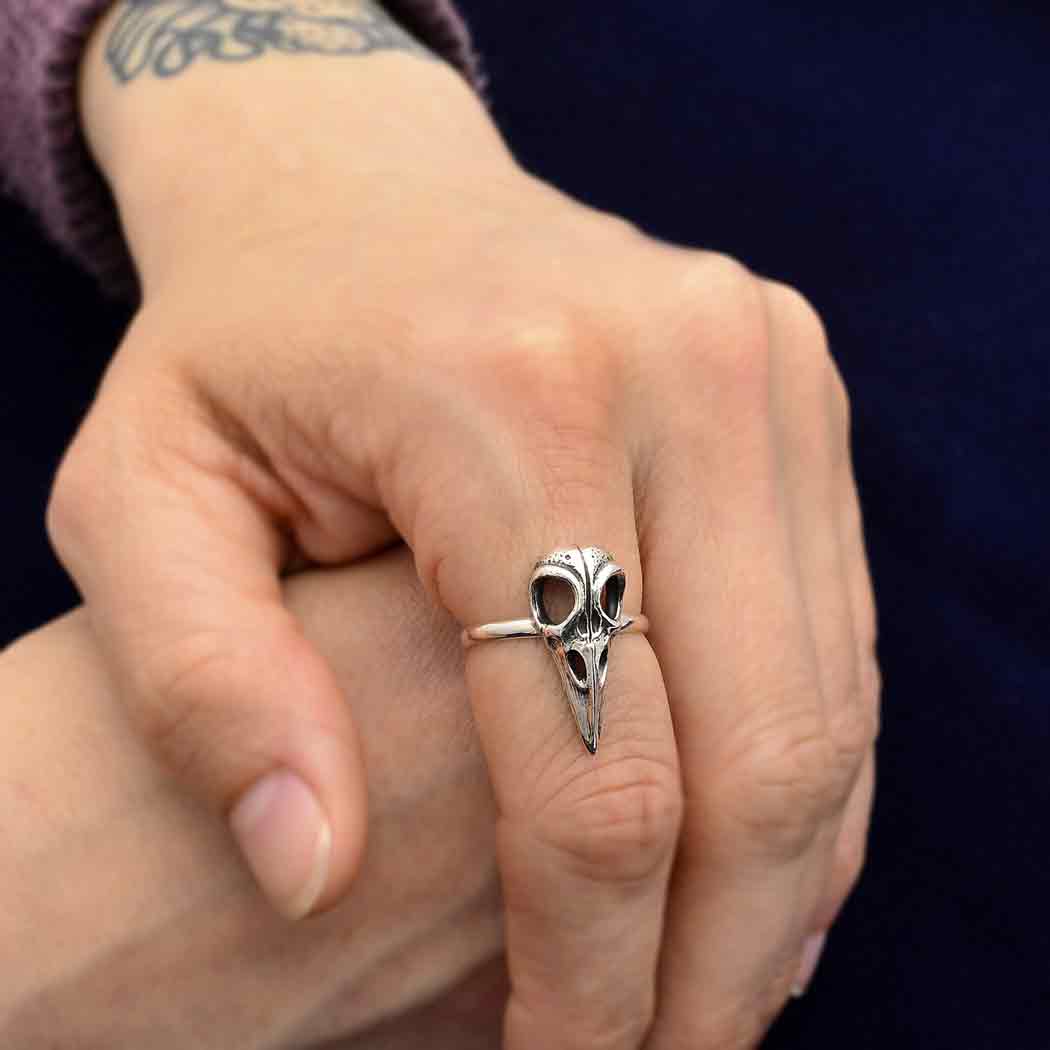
(579, 639)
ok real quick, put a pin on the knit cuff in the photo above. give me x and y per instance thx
(44, 156)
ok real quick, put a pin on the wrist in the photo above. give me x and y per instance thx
(230, 149)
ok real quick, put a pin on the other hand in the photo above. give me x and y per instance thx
(128, 919)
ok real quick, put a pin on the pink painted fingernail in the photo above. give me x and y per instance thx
(811, 953)
(286, 839)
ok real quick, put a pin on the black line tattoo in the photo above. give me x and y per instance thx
(165, 37)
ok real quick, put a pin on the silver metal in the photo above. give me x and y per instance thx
(578, 639)
(507, 630)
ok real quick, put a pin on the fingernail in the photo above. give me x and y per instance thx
(286, 839)
(811, 953)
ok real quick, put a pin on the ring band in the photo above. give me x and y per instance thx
(506, 630)
(578, 640)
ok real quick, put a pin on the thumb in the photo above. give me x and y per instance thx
(178, 561)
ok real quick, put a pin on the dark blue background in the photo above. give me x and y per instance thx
(893, 162)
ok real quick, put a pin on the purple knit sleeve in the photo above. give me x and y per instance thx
(44, 159)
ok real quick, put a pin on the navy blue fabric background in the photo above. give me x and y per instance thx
(893, 162)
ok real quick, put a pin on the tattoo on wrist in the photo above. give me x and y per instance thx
(165, 37)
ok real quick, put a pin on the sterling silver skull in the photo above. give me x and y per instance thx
(579, 639)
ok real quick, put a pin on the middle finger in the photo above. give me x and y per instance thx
(733, 633)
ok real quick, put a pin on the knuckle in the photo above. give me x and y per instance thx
(808, 346)
(790, 779)
(555, 380)
(549, 356)
(852, 731)
(614, 231)
(620, 824)
(571, 416)
(723, 272)
(565, 416)
(791, 306)
(74, 498)
(724, 344)
(709, 302)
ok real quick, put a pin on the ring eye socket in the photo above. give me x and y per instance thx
(612, 596)
(553, 599)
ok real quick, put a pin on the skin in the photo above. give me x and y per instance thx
(363, 322)
(125, 900)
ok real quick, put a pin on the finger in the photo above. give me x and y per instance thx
(585, 841)
(727, 597)
(811, 409)
(839, 593)
(167, 531)
(851, 843)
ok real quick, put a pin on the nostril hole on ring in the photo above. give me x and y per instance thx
(578, 667)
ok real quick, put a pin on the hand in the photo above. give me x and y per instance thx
(126, 916)
(374, 325)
